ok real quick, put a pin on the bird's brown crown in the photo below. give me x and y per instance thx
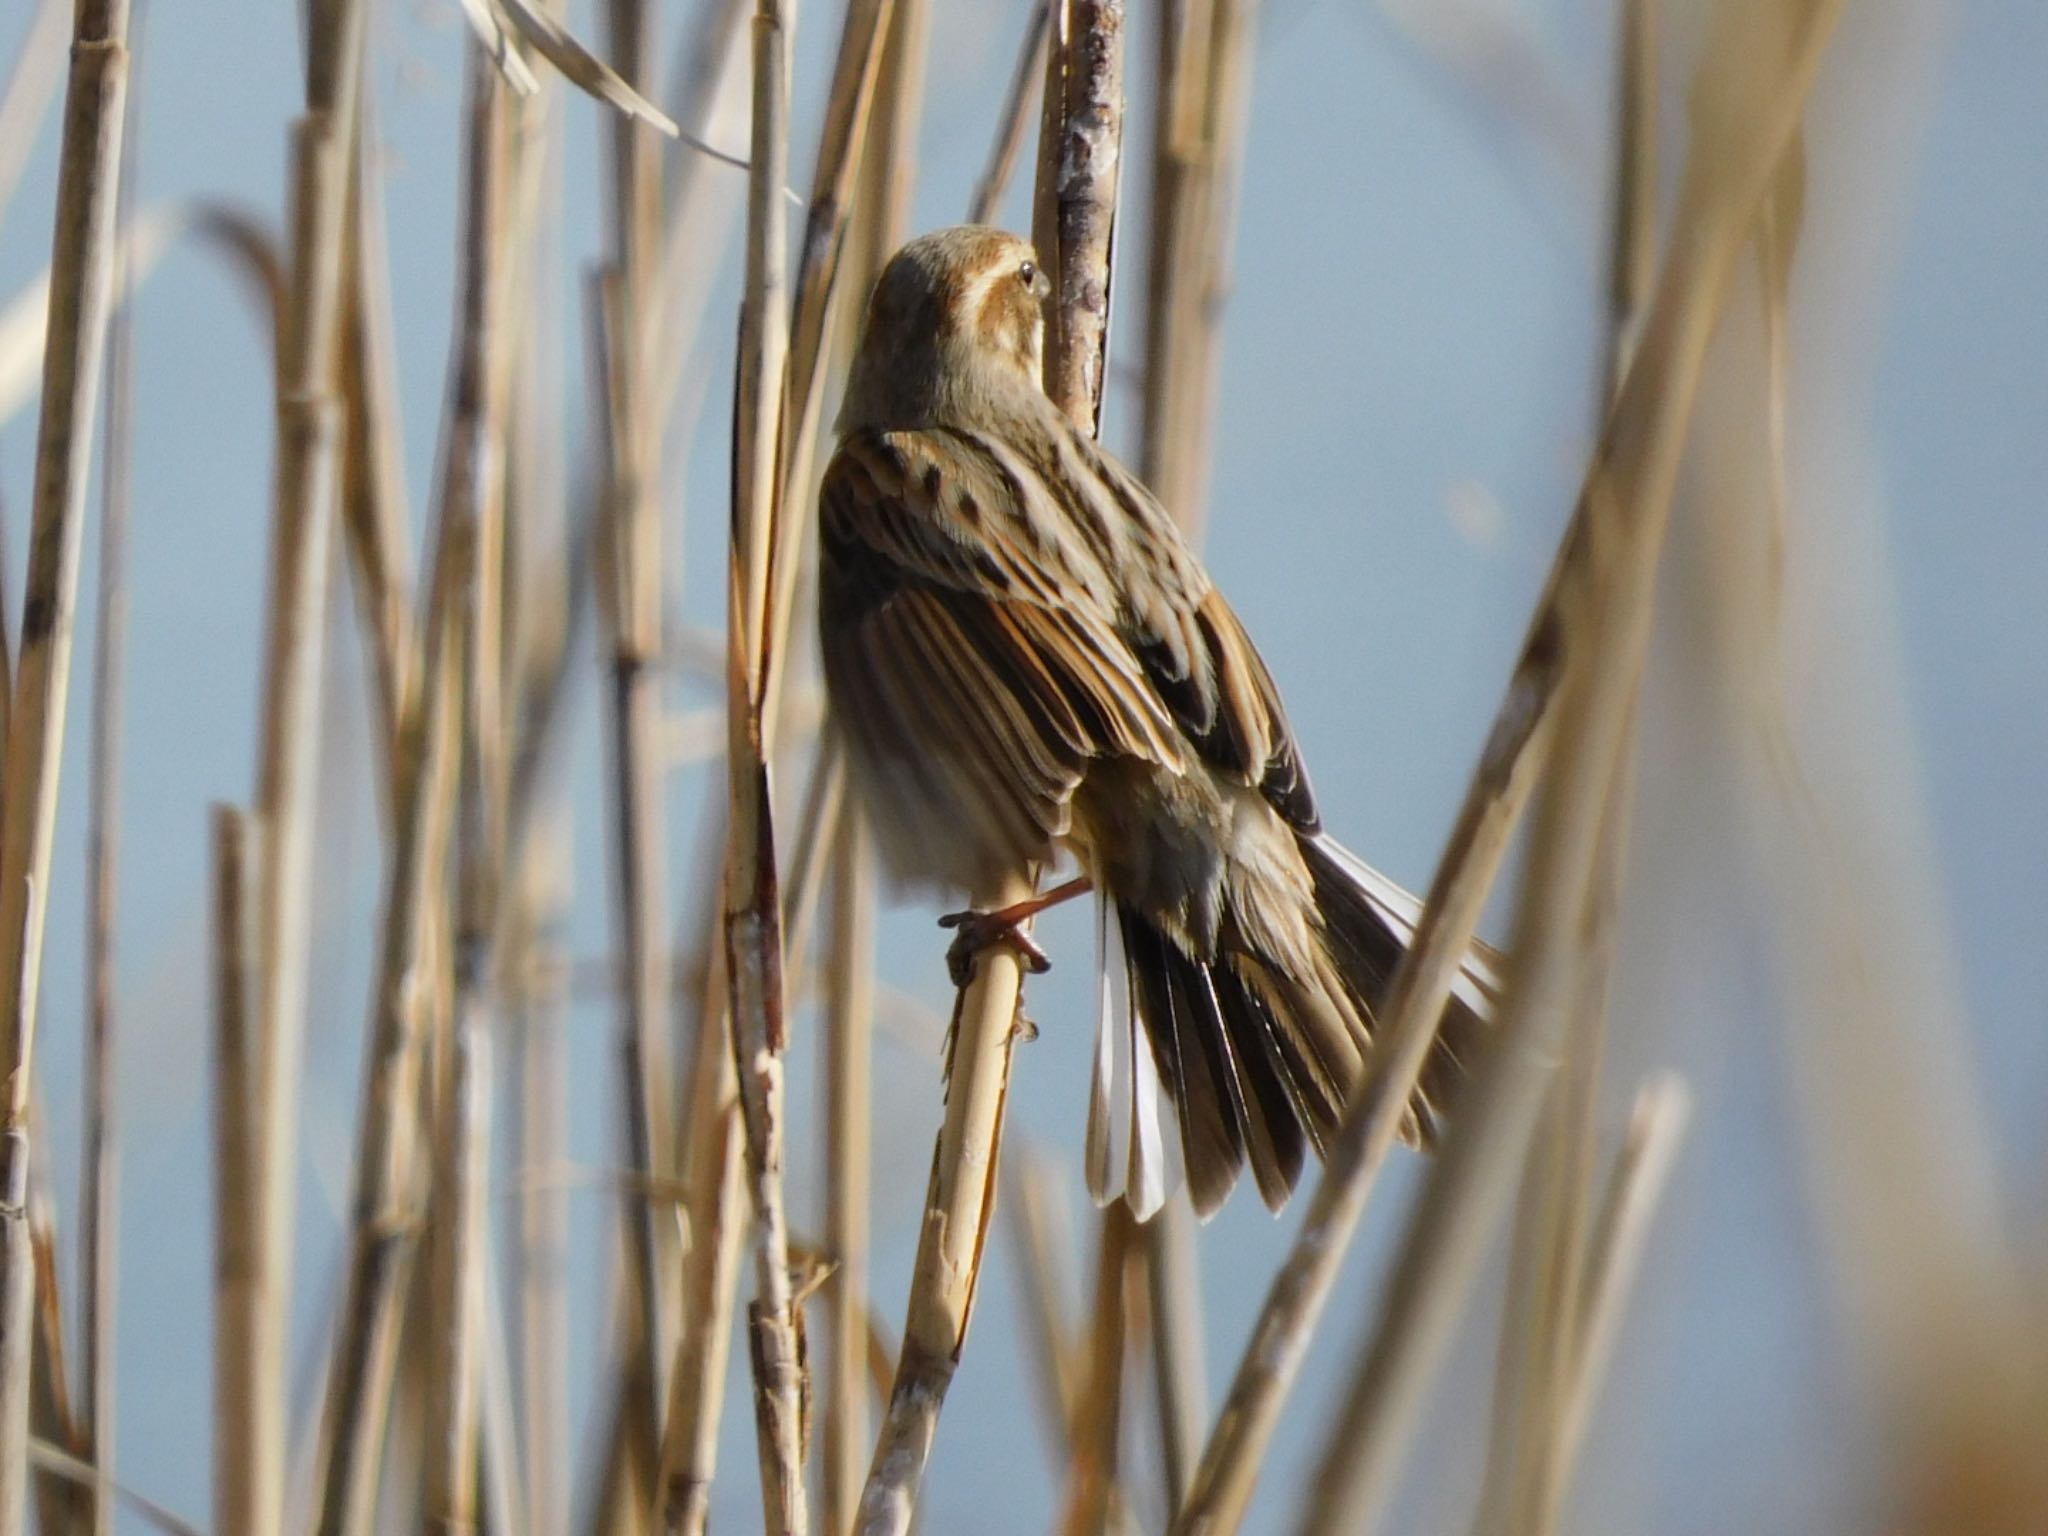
(956, 322)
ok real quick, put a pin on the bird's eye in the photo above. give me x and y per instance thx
(1027, 274)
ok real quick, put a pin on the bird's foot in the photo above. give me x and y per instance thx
(978, 931)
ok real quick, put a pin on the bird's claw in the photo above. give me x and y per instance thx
(978, 931)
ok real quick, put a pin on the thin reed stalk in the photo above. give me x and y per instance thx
(632, 590)
(454, 1426)
(384, 1216)
(753, 902)
(100, 1163)
(38, 66)
(1042, 1242)
(714, 1194)
(53, 1415)
(1201, 116)
(236, 1266)
(1091, 1492)
(310, 421)
(374, 517)
(81, 296)
(849, 1036)
(994, 185)
(1180, 1369)
(960, 1201)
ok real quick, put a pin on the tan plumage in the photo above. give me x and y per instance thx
(1021, 652)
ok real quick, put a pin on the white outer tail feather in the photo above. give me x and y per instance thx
(1133, 1143)
(1129, 1153)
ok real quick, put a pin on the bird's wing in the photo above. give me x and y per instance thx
(1197, 655)
(964, 632)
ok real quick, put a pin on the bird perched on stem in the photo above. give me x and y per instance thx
(1022, 654)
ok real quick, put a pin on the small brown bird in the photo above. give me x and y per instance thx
(1022, 654)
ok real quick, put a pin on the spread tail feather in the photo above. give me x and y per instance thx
(1258, 1061)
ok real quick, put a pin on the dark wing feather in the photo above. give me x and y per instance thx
(973, 650)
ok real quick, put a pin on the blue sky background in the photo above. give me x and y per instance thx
(1412, 349)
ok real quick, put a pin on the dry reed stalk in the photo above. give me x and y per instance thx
(461, 1234)
(81, 295)
(994, 185)
(309, 427)
(53, 1415)
(1493, 804)
(38, 66)
(849, 106)
(474, 503)
(384, 1216)
(1747, 102)
(1202, 113)
(1614, 1247)
(237, 1270)
(1180, 1366)
(753, 903)
(632, 591)
(534, 957)
(1091, 1494)
(959, 1203)
(849, 1049)
(375, 523)
(715, 1198)
(1540, 1348)
(58, 1463)
(1042, 1243)
(99, 1172)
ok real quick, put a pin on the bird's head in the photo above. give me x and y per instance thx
(956, 324)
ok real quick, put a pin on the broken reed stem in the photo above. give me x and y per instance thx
(632, 586)
(237, 1272)
(1747, 101)
(1422, 980)
(375, 523)
(994, 185)
(309, 427)
(1203, 111)
(99, 1173)
(81, 295)
(849, 1115)
(959, 1203)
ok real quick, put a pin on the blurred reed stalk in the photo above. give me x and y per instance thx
(99, 1164)
(1076, 196)
(1201, 112)
(82, 272)
(310, 422)
(1748, 97)
(633, 590)
(1688, 302)
(1541, 1346)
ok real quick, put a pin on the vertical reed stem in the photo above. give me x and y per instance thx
(81, 293)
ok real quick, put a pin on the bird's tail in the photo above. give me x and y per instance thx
(1257, 1046)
